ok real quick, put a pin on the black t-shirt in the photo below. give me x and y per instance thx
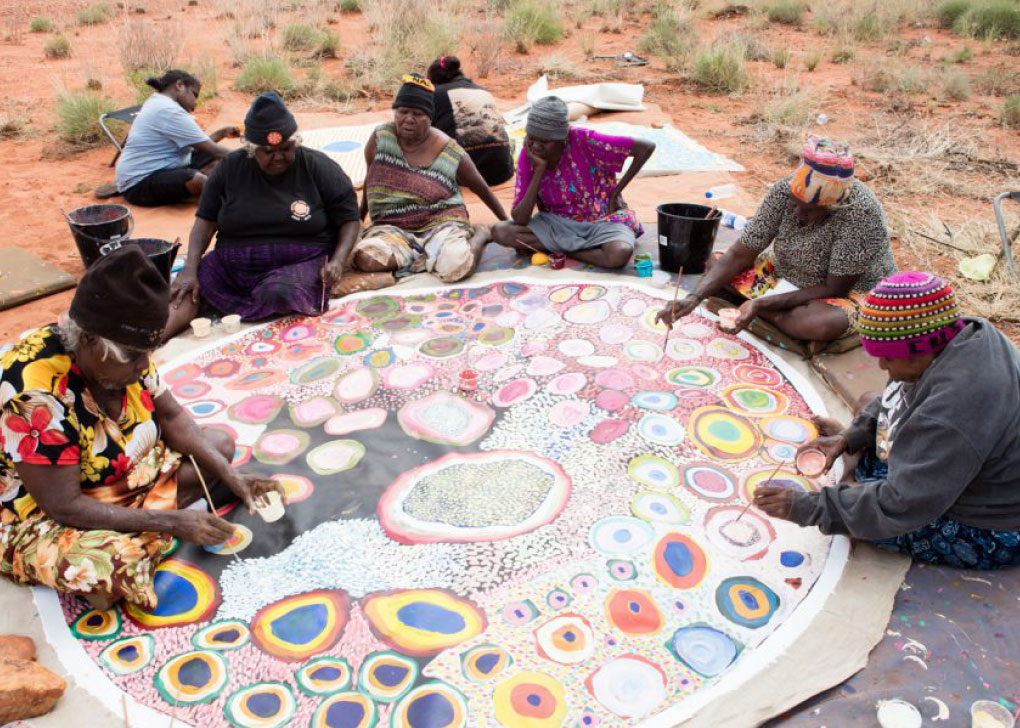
(305, 204)
(467, 113)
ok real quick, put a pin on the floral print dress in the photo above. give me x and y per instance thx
(48, 417)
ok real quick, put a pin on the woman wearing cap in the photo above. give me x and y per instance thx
(285, 219)
(167, 155)
(92, 478)
(939, 470)
(467, 113)
(412, 195)
(821, 236)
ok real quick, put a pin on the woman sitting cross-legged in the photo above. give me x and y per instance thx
(571, 174)
(285, 219)
(817, 244)
(412, 195)
(92, 478)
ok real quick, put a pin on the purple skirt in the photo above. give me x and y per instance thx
(262, 281)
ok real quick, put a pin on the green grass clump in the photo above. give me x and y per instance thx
(785, 12)
(78, 117)
(299, 37)
(94, 15)
(669, 37)
(955, 85)
(812, 59)
(1009, 116)
(329, 43)
(963, 55)
(999, 82)
(266, 73)
(780, 57)
(529, 22)
(351, 6)
(949, 12)
(991, 19)
(40, 24)
(843, 53)
(57, 47)
(721, 68)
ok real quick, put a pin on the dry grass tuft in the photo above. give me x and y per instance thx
(144, 45)
(57, 47)
(559, 67)
(485, 41)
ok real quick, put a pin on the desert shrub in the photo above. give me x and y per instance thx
(266, 72)
(144, 45)
(13, 119)
(1009, 116)
(329, 43)
(787, 12)
(57, 47)
(531, 22)
(964, 55)
(40, 24)
(998, 82)
(790, 107)
(669, 36)
(721, 68)
(405, 36)
(299, 37)
(557, 66)
(811, 59)
(949, 12)
(912, 80)
(754, 49)
(485, 41)
(352, 6)
(843, 52)
(94, 15)
(869, 27)
(955, 85)
(991, 19)
(78, 117)
(780, 57)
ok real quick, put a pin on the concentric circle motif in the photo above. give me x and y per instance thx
(256, 409)
(432, 704)
(190, 390)
(629, 686)
(399, 322)
(746, 601)
(530, 700)
(484, 662)
(183, 373)
(378, 307)
(653, 471)
(583, 584)
(777, 451)
(619, 379)
(370, 418)
(745, 536)
(356, 386)
(409, 376)
(353, 342)
(758, 376)
(514, 392)
(590, 312)
(729, 349)
(192, 678)
(296, 488)
(659, 507)
(562, 295)
(128, 655)
(569, 383)
(495, 335)
(299, 332)
(227, 634)
(446, 419)
(387, 676)
(257, 380)
(709, 481)
(619, 535)
(788, 429)
(621, 570)
(346, 710)
(185, 594)
(335, 457)
(238, 542)
(380, 358)
(592, 293)
(782, 478)
(558, 599)
(262, 705)
(642, 350)
(279, 447)
(298, 627)
(97, 625)
(519, 613)
(680, 349)
(660, 429)
(750, 399)
(324, 676)
(724, 435)
(302, 351)
(222, 368)
(576, 347)
(655, 401)
(316, 370)
(203, 408)
(263, 347)
(693, 376)
(567, 639)
(634, 611)
(441, 347)
(608, 430)
(704, 649)
(679, 562)
(422, 622)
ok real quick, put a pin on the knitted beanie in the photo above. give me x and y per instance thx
(548, 118)
(909, 314)
(416, 92)
(269, 122)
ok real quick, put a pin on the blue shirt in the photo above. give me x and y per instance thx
(161, 138)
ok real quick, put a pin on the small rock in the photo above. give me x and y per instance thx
(17, 646)
(27, 689)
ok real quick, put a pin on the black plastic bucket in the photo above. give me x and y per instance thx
(94, 226)
(161, 252)
(686, 237)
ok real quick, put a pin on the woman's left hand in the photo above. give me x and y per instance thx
(615, 203)
(250, 488)
(748, 310)
(775, 500)
(332, 274)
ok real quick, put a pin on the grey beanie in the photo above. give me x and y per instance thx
(547, 119)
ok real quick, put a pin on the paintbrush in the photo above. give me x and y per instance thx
(676, 292)
(205, 489)
(177, 698)
(324, 285)
(123, 705)
(751, 502)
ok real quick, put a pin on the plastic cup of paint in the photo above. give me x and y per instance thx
(811, 462)
(728, 318)
(898, 714)
(270, 506)
(201, 327)
(989, 714)
(539, 258)
(231, 323)
(557, 261)
(468, 381)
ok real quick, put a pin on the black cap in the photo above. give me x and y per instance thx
(417, 92)
(268, 121)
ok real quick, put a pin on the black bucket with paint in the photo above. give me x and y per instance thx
(686, 236)
(94, 226)
(162, 253)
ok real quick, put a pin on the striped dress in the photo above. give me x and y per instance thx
(416, 199)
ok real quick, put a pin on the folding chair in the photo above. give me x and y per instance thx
(1007, 243)
(126, 116)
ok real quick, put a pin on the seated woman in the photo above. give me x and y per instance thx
(571, 174)
(467, 113)
(940, 448)
(829, 246)
(412, 195)
(92, 480)
(167, 155)
(285, 219)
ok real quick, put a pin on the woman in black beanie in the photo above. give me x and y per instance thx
(92, 478)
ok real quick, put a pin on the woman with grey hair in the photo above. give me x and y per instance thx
(285, 220)
(571, 174)
(93, 473)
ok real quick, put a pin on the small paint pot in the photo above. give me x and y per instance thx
(989, 714)
(728, 318)
(557, 261)
(898, 714)
(811, 463)
(539, 259)
(201, 327)
(231, 323)
(468, 381)
(270, 506)
(644, 268)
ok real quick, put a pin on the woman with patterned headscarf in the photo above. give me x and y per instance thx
(817, 244)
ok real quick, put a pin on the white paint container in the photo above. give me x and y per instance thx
(728, 318)
(201, 327)
(989, 714)
(270, 506)
(898, 714)
(231, 323)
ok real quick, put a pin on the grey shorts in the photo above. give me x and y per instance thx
(563, 235)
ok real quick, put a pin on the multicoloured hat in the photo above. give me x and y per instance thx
(909, 314)
(826, 172)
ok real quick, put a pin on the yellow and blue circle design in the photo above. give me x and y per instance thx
(432, 705)
(746, 601)
(262, 705)
(653, 472)
(484, 662)
(128, 655)
(192, 678)
(346, 710)
(387, 676)
(324, 676)
(422, 622)
(228, 634)
(723, 434)
(749, 399)
(679, 562)
(300, 626)
(530, 700)
(185, 594)
(97, 625)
